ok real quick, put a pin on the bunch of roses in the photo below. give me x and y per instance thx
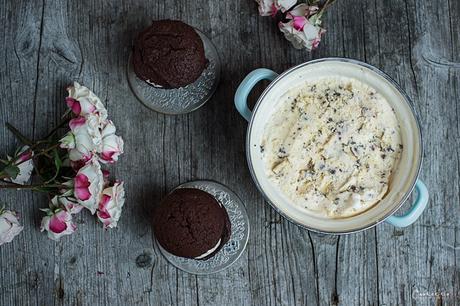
(300, 24)
(90, 142)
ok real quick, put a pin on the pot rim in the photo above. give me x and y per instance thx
(373, 69)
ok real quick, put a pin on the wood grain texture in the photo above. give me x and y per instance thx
(48, 44)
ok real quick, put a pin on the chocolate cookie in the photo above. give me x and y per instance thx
(169, 54)
(191, 223)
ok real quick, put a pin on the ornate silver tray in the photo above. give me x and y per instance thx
(180, 100)
(233, 249)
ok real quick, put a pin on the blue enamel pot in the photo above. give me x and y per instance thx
(405, 175)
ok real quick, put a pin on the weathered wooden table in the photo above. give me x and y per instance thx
(46, 45)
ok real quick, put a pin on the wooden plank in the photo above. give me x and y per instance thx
(357, 268)
(395, 284)
(221, 157)
(134, 273)
(333, 259)
(275, 242)
(421, 259)
(26, 270)
(357, 256)
(209, 147)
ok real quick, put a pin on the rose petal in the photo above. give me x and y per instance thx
(88, 185)
(110, 207)
(299, 22)
(88, 102)
(77, 122)
(57, 225)
(25, 156)
(103, 213)
(82, 187)
(25, 165)
(285, 5)
(267, 7)
(107, 156)
(74, 105)
(9, 226)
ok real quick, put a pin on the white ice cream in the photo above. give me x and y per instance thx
(332, 146)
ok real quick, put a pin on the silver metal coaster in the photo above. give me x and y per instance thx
(233, 249)
(180, 100)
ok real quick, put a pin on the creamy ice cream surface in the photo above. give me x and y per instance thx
(332, 145)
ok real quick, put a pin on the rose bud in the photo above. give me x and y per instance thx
(25, 166)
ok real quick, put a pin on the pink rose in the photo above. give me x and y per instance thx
(83, 140)
(112, 145)
(303, 28)
(88, 184)
(57, 223)
(25, 165)
(9, 226)
(109, 210)
(271, 7)
(83, 102)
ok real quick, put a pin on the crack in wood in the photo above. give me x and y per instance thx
(37, 72)
(315, 267)
(411, 63)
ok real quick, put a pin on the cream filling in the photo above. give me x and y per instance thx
(209, 251)
(153, 84)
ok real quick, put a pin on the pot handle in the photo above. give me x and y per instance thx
(241, 95)
(416, 210)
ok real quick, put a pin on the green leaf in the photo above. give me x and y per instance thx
(57, 164)
(11, 171)
(57, 159)
(47, 211)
